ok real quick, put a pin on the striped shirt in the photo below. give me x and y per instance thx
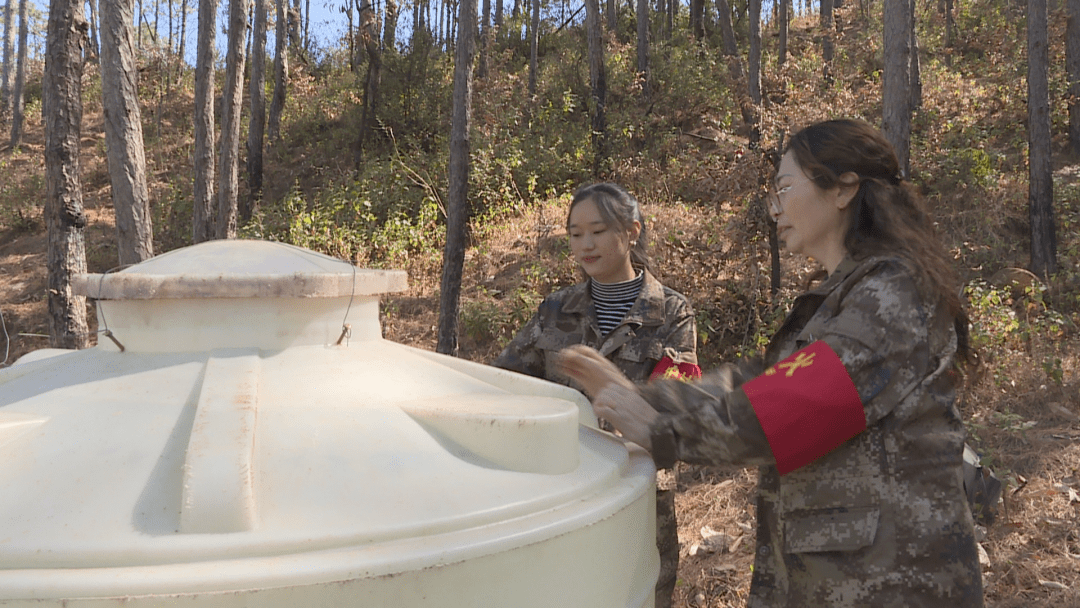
(614, 300)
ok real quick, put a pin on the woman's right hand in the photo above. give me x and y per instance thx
(590, 369)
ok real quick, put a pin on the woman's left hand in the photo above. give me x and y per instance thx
(614, 396)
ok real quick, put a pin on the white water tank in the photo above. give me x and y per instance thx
(233, 448)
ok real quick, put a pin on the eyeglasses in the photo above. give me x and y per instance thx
(773, 198)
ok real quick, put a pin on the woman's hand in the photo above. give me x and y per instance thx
(590, 369)
(614, 396)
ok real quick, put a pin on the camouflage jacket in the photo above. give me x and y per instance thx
(882, 519)
(660, 323)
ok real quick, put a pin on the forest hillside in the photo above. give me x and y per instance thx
(681, 142)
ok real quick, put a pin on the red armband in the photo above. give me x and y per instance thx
(668, 369)
(807, 405)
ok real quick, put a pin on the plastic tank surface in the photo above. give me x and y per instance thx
(246, 437)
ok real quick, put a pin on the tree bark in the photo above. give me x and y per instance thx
(257, 120)
(281, 74)
(18, 106)
(597, 84)
(95, 48)
(697, 18)
(1041, 185)
(1072, 69)
(827, 44)
(9, 47)
(753, 76)
(727, 32)
(896, 102)
(643, 46)
(782, 25)
(203, 195)
(62, 111)
(369, 37)
(950, 26)
(534, 41)
(123, 133)
(915, 77)
(231, 99)
(390, 25)
(183, 36)
(457, 209)
(485, 42)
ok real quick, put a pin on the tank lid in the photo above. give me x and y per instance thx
(239, 269)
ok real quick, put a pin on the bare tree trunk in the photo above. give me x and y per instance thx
(390, 25)
(281, 74)
(183, 36)
(62, 111)
(457, 208)
(915, 76)
(753, 75)
(203, 195)
(534, 36)
(485, 42)
(123, 133)
(896, 103)
(697, 18)
(9, 44)
(369, 37)
(1041, 185)
(257, 120)
(138, 24)
(727, 32)
(827, 39)
(597, 84)
(612, 16)
(950, 26)
(18, 106)
(643, 46)
(498, 20)
(307, 25)
(95, 48)
(1072, 69)
(782, 24)
(231, 99)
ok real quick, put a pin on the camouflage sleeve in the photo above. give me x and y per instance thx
(679, 332)
(881, 334)
(709, 421)
(522, 355)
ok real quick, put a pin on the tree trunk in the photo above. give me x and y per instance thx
(62, 112)
(782, 24)
(457, 208)
(1072, 69)
(643, 46)
(827, 39)
(307, 25)
(485, 42)
(231, 99)
(915, 77)
(369, 37)
(950, 26)
(612, 16)
(257, 120)
(281, 75)
(138, 24)
(753, 76)
(697, 18)
(18, 107)
(1041, 185)
(534, 37)
(896, 102)
(390, 27)
(123, 133)
(498, 19)
(183, 36)
(9, 44)
(727, 32)
(597, 84)
(95, 48)
(203, 194)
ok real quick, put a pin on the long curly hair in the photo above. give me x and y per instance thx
(888, 217)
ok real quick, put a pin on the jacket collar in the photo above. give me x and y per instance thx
(648, 309)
